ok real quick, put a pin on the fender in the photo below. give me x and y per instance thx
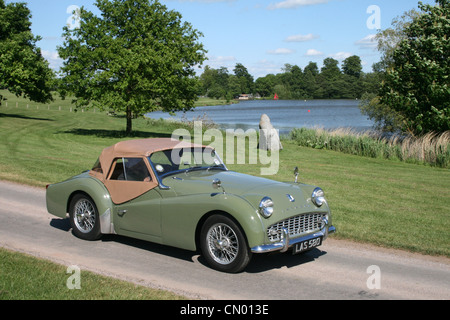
(59, 195)
(184, 224)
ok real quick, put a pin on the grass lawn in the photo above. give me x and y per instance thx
(203, 102)
(23, 278)
(384, 202)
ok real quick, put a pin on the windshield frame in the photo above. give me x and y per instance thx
(161, 175)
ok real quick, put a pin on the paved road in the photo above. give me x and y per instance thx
(338, 270)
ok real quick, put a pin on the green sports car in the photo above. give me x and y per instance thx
(181, 194)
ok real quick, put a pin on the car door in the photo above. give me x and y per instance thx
(132, 189)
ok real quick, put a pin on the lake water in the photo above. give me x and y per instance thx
(285, 115)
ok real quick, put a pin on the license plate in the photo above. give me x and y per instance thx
(307, 245)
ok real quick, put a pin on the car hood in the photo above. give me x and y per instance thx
(253, 189)
(200, 181)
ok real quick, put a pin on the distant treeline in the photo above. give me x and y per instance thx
(329, 82)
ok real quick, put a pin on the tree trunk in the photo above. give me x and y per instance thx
(129, 121)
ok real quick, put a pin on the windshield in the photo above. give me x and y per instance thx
(186, 159)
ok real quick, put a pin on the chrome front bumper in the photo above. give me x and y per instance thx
(286, 243)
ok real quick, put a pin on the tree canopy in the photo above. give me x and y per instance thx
(136, 57)
(23, 70)
(417, 85)
(330, 82)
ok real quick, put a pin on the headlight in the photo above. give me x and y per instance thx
(318, 197)
(266, 207)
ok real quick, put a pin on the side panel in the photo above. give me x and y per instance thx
(180, 217)
(140, 218)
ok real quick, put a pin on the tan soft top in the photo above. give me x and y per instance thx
(123, 191)
(139, 148)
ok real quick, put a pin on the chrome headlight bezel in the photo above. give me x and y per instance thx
(266, 207)
(318, 197)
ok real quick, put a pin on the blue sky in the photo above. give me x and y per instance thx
(263, 35)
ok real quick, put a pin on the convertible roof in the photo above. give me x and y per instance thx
(145, 147)
(120, 192)
(139, 148)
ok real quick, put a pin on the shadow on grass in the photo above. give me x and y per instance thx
(102, 133)
(20, 116)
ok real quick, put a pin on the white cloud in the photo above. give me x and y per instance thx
(281, 51)
(313, 53)
(301, 37)
(53, 59)
(367, 42)
(220, 59)
(289, 4)
(264, 67)
(341, 55)
(217, 62)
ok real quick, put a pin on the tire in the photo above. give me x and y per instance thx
(84, 218)
(224, 245)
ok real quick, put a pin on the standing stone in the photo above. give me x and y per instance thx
(268, 135)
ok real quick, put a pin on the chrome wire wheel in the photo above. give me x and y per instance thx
(223, 243)
(84, 215)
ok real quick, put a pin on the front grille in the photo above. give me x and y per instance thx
(305, 223)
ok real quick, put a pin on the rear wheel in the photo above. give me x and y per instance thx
(224, 245)
(84, 218)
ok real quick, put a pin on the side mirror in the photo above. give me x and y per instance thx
(296, 174)
(216, 184)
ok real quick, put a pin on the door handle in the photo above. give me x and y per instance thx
(121, 212)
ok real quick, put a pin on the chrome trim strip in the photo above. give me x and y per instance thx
(286, 243)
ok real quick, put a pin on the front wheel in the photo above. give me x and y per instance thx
(84, 218)
(223, 244)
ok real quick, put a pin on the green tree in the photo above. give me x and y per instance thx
(296, 82)
(352, 73)
(23, 70)
(218, 83)
(385, 118)
(244, 77)
(389, 39)
(234, 87)
(135, 57)
(352, 66)
(313, 68)
(371, 82)
(207, 79)
(329, 80)
(310, 73)
(265, 85)
(310, 84)
(417, 86)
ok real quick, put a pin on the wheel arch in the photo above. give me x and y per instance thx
(205, 217)
(73, 194)
(249, 224)
(100, 196)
